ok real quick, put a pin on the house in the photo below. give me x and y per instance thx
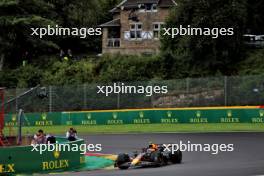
(136, 27)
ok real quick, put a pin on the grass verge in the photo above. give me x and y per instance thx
(146, 128)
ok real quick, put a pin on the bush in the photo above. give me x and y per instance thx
(253, 64)
(127, 68)
(64, 73)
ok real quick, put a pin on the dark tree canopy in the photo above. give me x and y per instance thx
(189, 55)
(18, 16)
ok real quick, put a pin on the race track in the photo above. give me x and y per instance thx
(246, 160)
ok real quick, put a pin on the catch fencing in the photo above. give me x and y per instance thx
(189, 92)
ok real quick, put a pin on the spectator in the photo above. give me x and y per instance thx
(39, 138)
(69, 53)
(25, 58)
(71, 134)
(51, 139)
(62, 54)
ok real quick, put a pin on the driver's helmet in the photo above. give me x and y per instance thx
(153, 146)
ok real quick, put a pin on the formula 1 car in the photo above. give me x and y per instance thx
(149, 157)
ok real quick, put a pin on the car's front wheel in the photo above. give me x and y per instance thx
(121, 160)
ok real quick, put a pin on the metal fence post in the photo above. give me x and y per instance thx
(84, 96)
(187, 85)
(16, 110)
(118, 98)
(50, 98)
(225, 90)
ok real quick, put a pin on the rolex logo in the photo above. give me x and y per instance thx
(261, 113)
(114, 115)
(56, 154)
(141, 115)
(89, 116)
(14, 118)
(198, 114)
(169, 114)
(229, 113)
(44, 116)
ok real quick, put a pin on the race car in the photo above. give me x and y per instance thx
(153, 156)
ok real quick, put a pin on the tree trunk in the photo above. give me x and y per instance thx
(2, 57)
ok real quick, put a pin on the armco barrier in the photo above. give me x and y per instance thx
(145, 116)
(16, 160)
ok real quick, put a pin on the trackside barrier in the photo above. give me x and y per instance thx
(252, 114)
(21, 159)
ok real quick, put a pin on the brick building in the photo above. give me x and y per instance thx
(136, 26)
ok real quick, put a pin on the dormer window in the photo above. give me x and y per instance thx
(148, 7)
(154, 7)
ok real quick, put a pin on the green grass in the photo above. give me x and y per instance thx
(149, 128)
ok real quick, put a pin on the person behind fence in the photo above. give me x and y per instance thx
(39, 138)
(71, 134)
(51, 139)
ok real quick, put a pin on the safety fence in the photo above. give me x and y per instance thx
(189, 92)
(252, 114)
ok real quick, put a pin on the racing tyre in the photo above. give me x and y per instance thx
(122, 159)
(176, 158)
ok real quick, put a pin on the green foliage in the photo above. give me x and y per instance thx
(253, 64)
(181, 57)
(24, 76)
(17, 17)
(105, 69)
(255, 23)
(28, 76)
(204, 55)
(127, 68)
(251, 88)
(62, 73)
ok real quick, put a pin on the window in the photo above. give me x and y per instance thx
(157, 27)
(154, 7)
(113, 43)
(148, 8)
(136, 31)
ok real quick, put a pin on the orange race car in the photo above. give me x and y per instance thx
(153, 156)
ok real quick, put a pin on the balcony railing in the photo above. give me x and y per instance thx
(113, 42)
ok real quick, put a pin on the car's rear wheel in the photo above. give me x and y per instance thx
(121, 160)
(176, 158)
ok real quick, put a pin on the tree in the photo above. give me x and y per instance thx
(255, 23)
(204, 55)
(17, 17)
(85, 13)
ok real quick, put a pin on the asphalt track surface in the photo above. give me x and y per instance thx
(246, 160)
